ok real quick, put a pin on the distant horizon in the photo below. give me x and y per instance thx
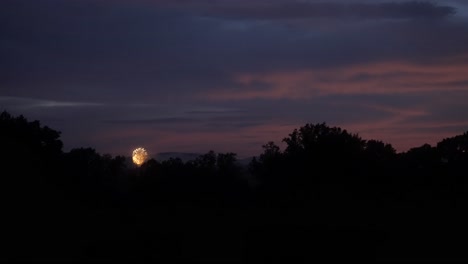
(242, 155)
(154, 154)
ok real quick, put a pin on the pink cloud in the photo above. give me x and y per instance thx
(376, 78)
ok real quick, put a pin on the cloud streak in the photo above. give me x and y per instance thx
(285, 10)
(28, 103)
(377, 78)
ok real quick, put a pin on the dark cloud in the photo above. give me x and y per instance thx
(273, 10)
(95, 46)
(295, 9)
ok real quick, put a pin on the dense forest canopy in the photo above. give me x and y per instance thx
(329, 194)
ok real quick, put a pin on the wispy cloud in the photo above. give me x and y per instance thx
(214, 111)
(25, 103)
(155, 121)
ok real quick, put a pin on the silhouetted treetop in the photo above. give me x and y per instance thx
(18, 132)
(271, 153)
(422, 156)
(320, 140)
(24, 142)
(454, 149)
(378, 150)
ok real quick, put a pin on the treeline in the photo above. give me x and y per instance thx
(328, 195)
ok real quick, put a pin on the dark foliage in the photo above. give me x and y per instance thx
(330, 195)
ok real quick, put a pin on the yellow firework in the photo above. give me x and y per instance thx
(139, 156)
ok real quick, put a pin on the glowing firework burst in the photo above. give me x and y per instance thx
(139, 156)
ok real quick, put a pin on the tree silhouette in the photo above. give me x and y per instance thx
(455, 149)
(329, 194)
(28, 143)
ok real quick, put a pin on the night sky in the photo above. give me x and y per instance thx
(229, 76)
